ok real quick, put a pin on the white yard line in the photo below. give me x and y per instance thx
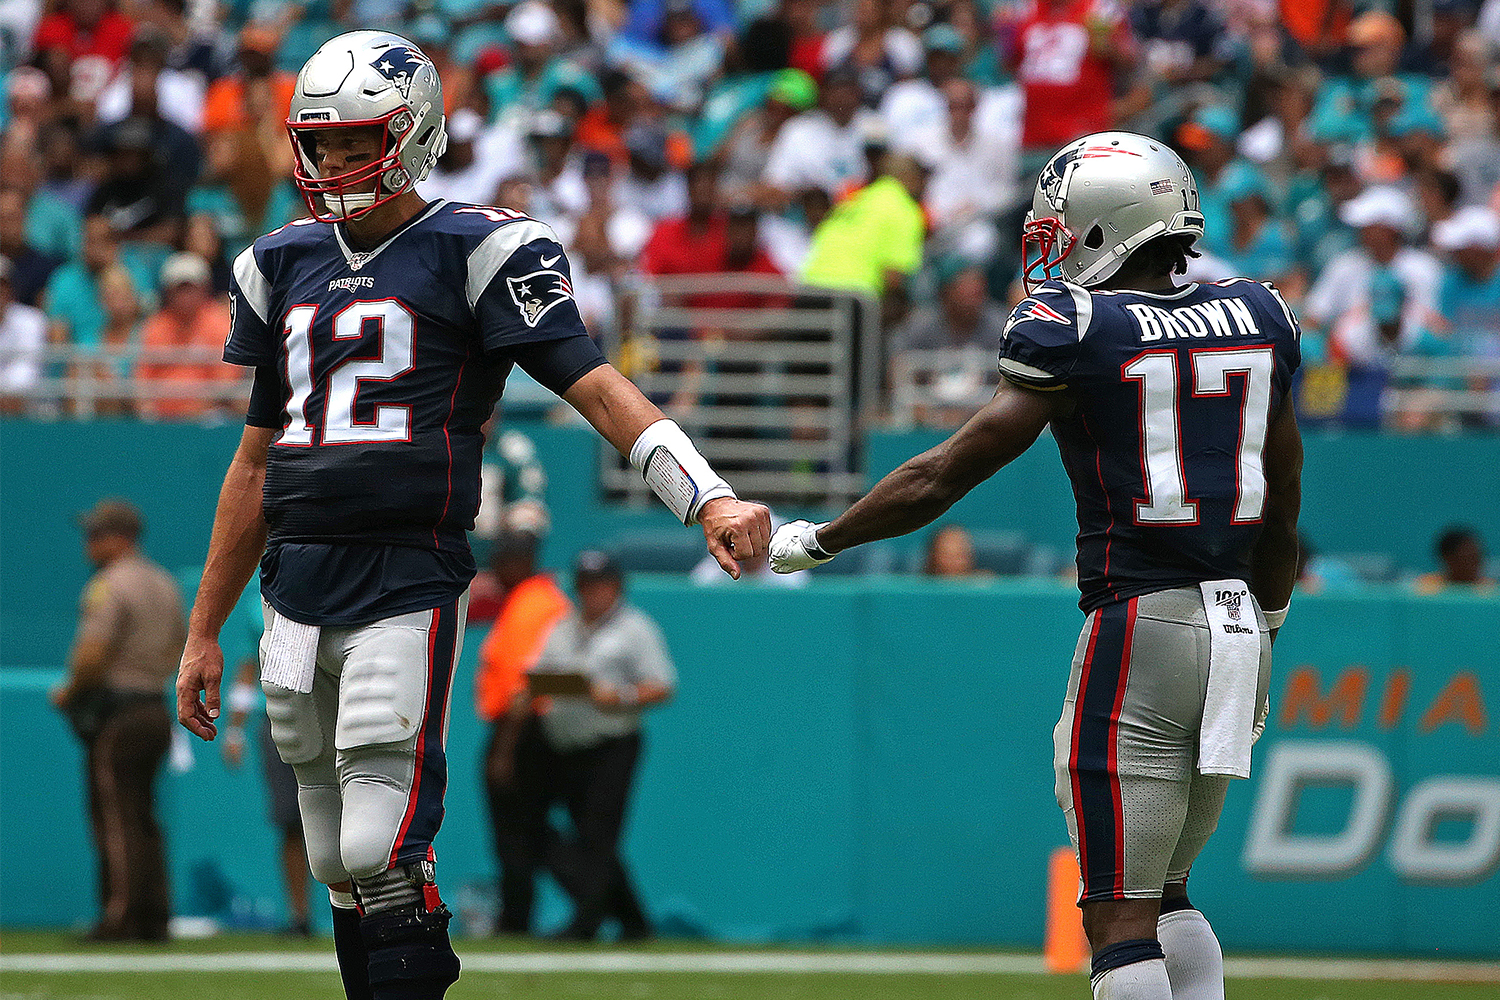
(787, 963)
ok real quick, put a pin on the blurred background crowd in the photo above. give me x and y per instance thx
(1347, 150)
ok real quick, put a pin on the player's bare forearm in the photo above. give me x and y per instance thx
(1274, 560)
(922, 488)
(733, 529)
(238, 538)
(613, 405)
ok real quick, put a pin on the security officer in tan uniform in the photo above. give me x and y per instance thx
(130, 636)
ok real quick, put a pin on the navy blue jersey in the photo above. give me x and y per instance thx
(390, 362)
(1174, 394)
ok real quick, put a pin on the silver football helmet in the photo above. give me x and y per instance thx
(367, 78)
(1098, 199)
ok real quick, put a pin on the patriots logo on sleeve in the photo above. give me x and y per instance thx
(536, 293)
(399, 65)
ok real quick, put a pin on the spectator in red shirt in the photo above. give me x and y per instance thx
(1067, 55)
(743, 254)
(801, 16)
(82, 42)
(693, 243)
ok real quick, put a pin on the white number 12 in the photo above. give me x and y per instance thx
(1166, 500)
(395, 333)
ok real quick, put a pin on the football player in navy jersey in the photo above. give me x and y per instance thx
(1170, 406)
(381, 331)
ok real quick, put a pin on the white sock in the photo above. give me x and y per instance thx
(1195, 962)
(343, 900)
(1137, 981)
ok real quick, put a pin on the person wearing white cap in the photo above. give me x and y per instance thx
(1342, 302)
(1469, 296)
(180, 369)
(537, 72)
(478, 158)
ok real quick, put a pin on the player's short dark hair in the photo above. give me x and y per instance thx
(1452, 537)
(1163, 256)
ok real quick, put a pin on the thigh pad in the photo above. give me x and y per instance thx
(384, 681)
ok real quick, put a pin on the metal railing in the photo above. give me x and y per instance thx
(81, 382)
(775, 390)
(941, 386)
(1445, 391)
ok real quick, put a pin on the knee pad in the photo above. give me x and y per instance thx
(294, 724)
(405, 929)
(321, 807)
(376, 785)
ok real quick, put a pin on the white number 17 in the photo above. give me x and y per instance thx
(1166, 500)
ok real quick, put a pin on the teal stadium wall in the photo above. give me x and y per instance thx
(889, 782)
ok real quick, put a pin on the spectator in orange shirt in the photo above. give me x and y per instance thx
(257, 89)
(516, 769)
(602, 127)
(182, 342)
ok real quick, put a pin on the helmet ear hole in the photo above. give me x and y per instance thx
(1094, 238)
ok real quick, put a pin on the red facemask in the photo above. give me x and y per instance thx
(352, 185)
(1053, 243)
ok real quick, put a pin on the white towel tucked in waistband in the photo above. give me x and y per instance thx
(1233, 674)
(291, 653)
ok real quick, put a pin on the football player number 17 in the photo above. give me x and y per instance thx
(1166, 500)
(394, 334)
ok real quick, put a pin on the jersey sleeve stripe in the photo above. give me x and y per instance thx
(1029, 376)
(1083, 305)
(254, 287)
(491, 254)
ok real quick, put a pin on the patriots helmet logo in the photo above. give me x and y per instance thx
(399, 64)
(1054, 174)
(536, 293)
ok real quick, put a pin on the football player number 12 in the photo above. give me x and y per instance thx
(1166, 500)
(394, 332)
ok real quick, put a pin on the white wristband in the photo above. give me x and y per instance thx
(1274, 619)
(242, 698)
(672, 467)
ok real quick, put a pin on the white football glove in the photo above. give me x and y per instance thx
(795, 546)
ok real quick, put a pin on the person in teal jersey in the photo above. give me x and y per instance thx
(71, 297)
(316, 23)
(1258, 243)
(53, 225)
(1345, 109)
(1312, 203)
(1209, 136)
(214, 195)
(531, 82)
(1469, 298)
(473, 26)
(751, 71)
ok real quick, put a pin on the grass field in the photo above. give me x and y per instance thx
(36, 966)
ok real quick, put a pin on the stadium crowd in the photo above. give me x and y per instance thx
(1347, 150)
